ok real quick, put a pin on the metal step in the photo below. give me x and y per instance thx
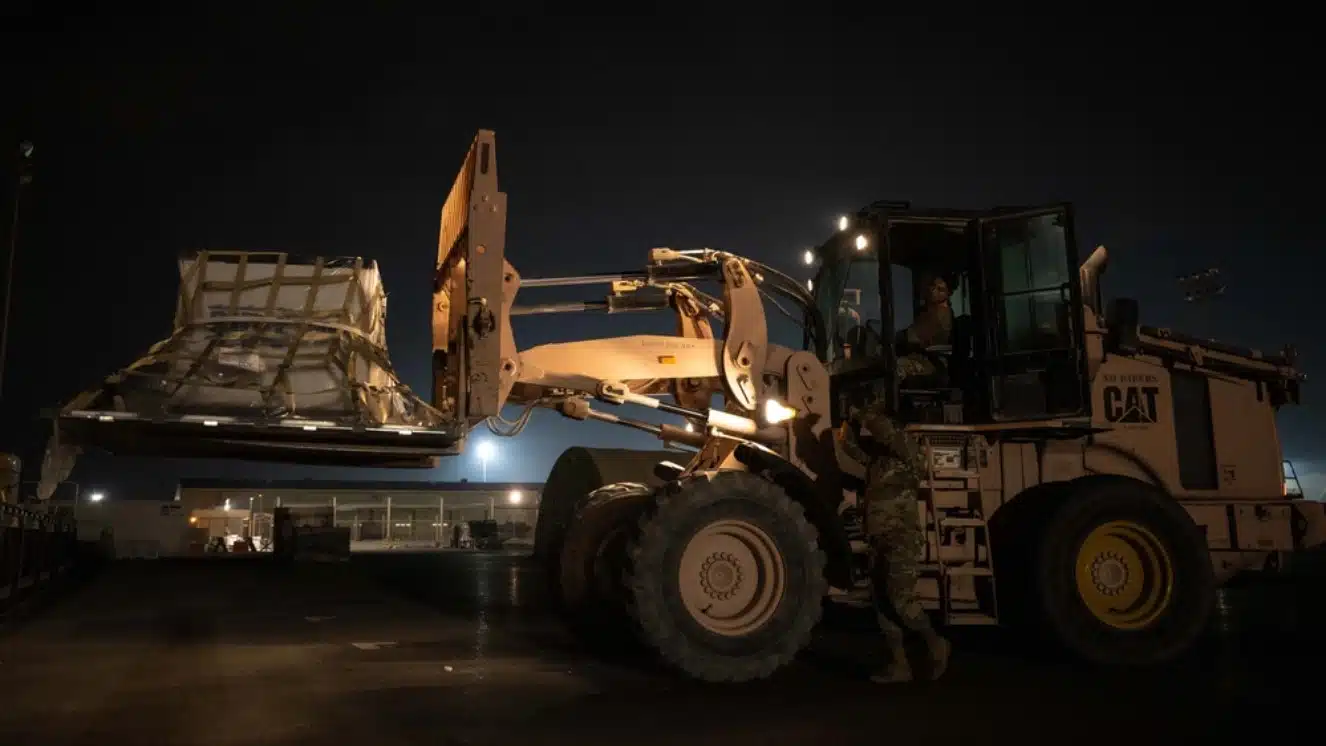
(962, 522)
(955, 473)
(977, 571)
(969, 571)
(949, 484)
(971, 619)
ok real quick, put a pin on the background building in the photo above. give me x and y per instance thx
(387, 513)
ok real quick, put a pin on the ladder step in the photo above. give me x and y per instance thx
(968, 571)
(955, 473)
(972, 619)
(962, 522)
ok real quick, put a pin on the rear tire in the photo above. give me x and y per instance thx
(727, 577)
(1123, 574)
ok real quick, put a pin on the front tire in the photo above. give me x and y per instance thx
(726, 576)
(1124, 575)
(593, 595)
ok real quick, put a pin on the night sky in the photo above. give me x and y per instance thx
(1184, 144)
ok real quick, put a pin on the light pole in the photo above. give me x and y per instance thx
(485, 451)
(24, 178)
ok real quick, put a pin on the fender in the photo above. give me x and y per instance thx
(1129, 457)
(610, 492)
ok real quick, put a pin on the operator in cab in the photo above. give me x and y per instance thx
(893, 530)
(932, 327)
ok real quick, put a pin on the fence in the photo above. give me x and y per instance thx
(35, 548)
(415, 525)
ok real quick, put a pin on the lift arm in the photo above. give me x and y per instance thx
(477, 370)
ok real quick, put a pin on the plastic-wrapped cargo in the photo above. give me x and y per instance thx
(270, 358)
(259, 335)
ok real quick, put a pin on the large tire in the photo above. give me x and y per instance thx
(736, 541)
(1123, 574)
(577, 473)
(592, 568)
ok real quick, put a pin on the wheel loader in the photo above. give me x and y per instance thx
(1086, 475)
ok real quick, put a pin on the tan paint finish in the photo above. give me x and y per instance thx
(1248, 467)
(1143, 450)
(1246, 442)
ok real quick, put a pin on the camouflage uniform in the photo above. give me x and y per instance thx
(934, 326)
(914, 365)
(896, 538)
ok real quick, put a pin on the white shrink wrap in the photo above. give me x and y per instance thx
(262, 341)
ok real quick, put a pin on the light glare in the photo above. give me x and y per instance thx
(776, 412)
(485, 450)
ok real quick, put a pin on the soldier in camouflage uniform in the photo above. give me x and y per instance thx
(893, 480)
(933, 326)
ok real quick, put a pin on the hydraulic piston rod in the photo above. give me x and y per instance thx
(564, 282)
(674, 272)
(651, 299)
(669, 433)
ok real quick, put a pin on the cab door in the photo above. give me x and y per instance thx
(1034, 349)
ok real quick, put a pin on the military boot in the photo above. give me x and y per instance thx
(898, 670)
(939, 649)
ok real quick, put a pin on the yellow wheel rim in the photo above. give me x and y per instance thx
(1124, 575)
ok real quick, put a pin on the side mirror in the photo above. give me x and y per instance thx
(1122, 321)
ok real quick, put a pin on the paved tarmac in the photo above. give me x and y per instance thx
(451, 648)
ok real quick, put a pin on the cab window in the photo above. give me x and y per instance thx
(859, 315)
(1035, 276)
(847, 296)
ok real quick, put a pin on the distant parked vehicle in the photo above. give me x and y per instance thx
(485, 535)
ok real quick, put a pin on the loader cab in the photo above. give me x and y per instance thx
(1010, 347)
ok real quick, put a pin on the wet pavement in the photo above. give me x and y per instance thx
(450, 648)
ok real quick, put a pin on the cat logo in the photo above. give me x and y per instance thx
(1131, 405)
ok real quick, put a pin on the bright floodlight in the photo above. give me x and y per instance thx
(485, 450)
(808, 257)
(861, 242)
(514, 497)
(97, 497)
(843, 222)
(810, 285)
